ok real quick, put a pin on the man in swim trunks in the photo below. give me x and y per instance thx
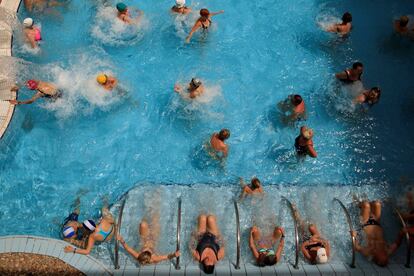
(203, 22)
(206, 246)
(195, 88)
(180, 7)
(294, 105)
(401, 25)
(304, 143)
(217, 142)
(376, 247)
(343, 28)
(369, 97)
(106, 81)
(43, 90)
(351, 75)
(255, 187)
(31, 32)
(262, 248)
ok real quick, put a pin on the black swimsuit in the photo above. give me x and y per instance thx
(208, 240)
(301, 150)
(348, 78)
(204, 26)
(371, 221)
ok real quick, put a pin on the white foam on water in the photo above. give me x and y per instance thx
(326, 19)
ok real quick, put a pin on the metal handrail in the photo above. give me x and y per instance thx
(177, 265)
(351, 230)
(118, 231)
(407, 237)
(295, 222)
(236, 209)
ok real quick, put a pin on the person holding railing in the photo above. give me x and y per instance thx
(263, 247)
(206, 245)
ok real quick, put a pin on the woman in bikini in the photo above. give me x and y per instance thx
(203, 22)
(263, 247)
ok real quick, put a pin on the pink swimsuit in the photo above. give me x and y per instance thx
(38, 35)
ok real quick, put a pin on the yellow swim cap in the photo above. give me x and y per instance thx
(102, 79)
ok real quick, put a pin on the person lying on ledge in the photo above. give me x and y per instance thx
(103, 232)
(263, 247)
(148, 235)
(43, 90)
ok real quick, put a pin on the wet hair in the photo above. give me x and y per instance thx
(204, 12)
(224, 134)
(296, 100)
(266, 260)
(357, 64)
(255, 182)
(144, 257)
(404, 21)
(371, 98)
(208, 269)
(347, 18)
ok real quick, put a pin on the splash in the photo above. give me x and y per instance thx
(325, 20)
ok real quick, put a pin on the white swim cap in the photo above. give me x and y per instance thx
(28, 22)
(180, 3)
(321, 257)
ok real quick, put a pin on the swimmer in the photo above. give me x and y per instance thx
(180, 7)
(401, 25)
(266, 255)
(107, 82)
(304, 143)
(207, 247)
(351, 75)
(41, 4)
(123, 13)
(195, 88)
(203, 22)
(32, 33)
(295, 106)
(101, 233)
(376, 248)
(43, 90)
(217, 142)
(344, 27)
(368, 97)
(255, 187)
(148, 237)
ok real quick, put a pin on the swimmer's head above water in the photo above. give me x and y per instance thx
(32, 84)
(296, 100)
(204, 13)
(28, 22)
(306, 132)
(255, 183)
(102, 79)
(224, 134)
(121, 7)
(195, 82)
(346, 18)
(358, 66)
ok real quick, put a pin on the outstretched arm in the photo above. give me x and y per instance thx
(131, 251)
(193, 30)
(215, 13)
(91, 243)
(33, 99)
(159, 258)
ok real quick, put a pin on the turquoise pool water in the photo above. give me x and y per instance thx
(100, 145)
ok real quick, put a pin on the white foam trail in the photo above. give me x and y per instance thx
(326, 19)
(346, 93)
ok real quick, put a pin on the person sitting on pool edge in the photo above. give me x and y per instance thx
(106, 81)
(180, 7)
(266, 255)
(255, 187)
(102, 233)
(203, 22)
(208, 248)
(218, 145)
(343, 28)
(351, 75)
(401, 25)
(195, 88)
(369, 97)
(31, 32)
(123, 13)
(43, 90)
(148, 236)
(294, 105)
(376, 248)
(304, 143)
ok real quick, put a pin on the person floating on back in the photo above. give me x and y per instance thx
(195, 88)
(204, 22)
(304, 143)
(344, 27)
(43, 90)
(351, 75)
(32, 33)
(263, 248)
(293, 108)
(221, 150)
(106, 81)
(180, 7)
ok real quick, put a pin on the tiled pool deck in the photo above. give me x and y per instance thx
(6, 109)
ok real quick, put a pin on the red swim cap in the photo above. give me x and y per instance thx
(32, 84)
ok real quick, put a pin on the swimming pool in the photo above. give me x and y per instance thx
(256, 54)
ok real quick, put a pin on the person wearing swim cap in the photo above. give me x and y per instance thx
(124, 15)
(263, 247)
(255, 187)
(218, 145)
(293, 108)
(203, 22)
(43, 90)
(343, 28)
(195, 88)
(31, 32)
(304, 143)
(106, 81)
(368, 97)
(180, 7)
(102, 232)
(401, 25)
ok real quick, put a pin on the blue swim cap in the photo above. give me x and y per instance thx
(68, 232)
(121, 7)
